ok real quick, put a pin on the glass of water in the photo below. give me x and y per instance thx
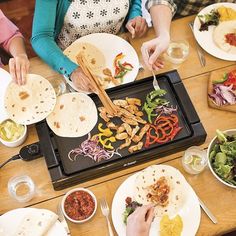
(177, 51)
(58, 83)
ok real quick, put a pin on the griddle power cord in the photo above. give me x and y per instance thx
(16, 157)
(27, 153)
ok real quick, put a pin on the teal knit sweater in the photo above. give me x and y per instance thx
(48, 21)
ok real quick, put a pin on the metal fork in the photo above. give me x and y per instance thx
(105, 211)
(199, 49)
(154, 82)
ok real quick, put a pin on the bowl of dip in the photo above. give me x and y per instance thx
(79, 205)
(11, 133)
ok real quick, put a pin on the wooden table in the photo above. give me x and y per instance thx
(219, 198)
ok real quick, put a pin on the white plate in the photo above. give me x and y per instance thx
(110, 45)
(205, 39)
(5, 79)
(10, 221)
(190, 213)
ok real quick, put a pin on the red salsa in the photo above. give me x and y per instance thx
(231, 39)
(79, 205)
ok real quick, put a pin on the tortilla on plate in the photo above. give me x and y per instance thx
(177, 188)
(226, 27)
(36, 223)
(30, 103)
(75, 115)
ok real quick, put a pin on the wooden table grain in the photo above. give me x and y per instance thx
(218, 198)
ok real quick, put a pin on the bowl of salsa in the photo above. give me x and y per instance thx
(79, 205)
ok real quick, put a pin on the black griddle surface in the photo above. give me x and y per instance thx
(133, 90)
(65, 173)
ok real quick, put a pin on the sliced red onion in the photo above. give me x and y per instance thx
(223, 95)
(164, 109)
(91, 149)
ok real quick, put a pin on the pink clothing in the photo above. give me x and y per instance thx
(8, 31)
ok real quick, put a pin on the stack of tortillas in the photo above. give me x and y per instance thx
(74, 115)
(36, 223)
(30, 103)
(178, 188)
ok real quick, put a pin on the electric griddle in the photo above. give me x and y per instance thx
(65, 173)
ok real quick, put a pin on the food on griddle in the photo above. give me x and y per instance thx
(120, 102)
(129, 121)
(153, 100)
(130, 207)
(91, 148)
(224, 36)
(211, 18)
(171, 227)
(112, 126)
(162, 185)
(66, 122)
(164, 129)
(125, 144)
(136, 147)
(31, 102)
(121, 136)
(136, 138)
(134, 101)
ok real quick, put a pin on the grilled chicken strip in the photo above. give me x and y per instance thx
(121, 136)
(133, 101)
(126, 144)
(129, 121)
(120, 102)
(137, 138)
(127, 128)
(136, 147)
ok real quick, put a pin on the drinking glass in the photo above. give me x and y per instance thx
(21, 188)
(177, 51)
(58, 83)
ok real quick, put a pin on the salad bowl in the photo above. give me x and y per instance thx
(221, 154)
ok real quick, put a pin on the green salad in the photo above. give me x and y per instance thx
(223, 157)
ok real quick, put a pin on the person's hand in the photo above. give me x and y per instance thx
(152, 49)
(137, 26)
(19, 67)
(81, 81)
(139, 222)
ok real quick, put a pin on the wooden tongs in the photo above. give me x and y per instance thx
(106, 101)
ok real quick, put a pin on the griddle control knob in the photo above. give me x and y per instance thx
(30, 152)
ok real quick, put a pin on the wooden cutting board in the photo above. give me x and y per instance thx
(218, 75)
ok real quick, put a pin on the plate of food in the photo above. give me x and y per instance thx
(31, 221)
(5, 79)
(176, 204)
(214, 29)
(110, 58)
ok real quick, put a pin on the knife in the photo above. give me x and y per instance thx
(62, 219)
(199, 49)
(207, 211)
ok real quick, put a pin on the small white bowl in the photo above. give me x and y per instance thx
(75, 190)
(16, 142)
(212, 143)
